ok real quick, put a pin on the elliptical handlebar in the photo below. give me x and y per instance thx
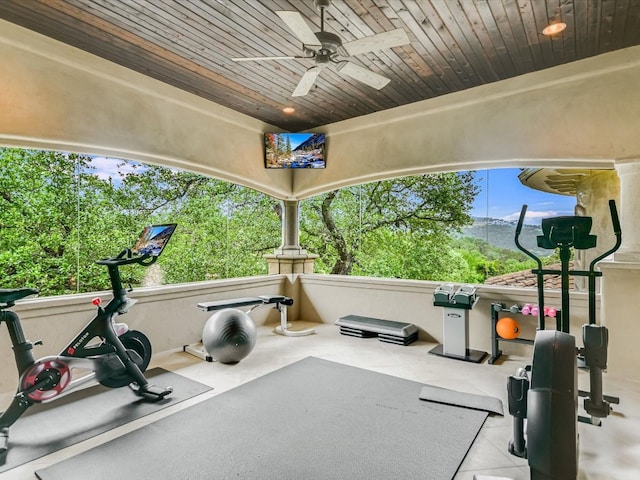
(614, 218)
(617, 230)
(523, 212)
(538, 271)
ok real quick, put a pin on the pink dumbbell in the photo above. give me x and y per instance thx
(526, 309)
(551, 312)
(535, 310)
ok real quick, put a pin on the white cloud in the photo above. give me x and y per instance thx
(105, 168)
(535, 215)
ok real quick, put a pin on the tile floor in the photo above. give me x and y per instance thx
(608, 452)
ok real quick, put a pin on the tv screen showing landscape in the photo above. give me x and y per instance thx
(294, 150)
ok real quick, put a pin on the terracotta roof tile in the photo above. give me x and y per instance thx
(525, 278)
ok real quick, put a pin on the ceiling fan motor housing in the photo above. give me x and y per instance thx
(329, 47)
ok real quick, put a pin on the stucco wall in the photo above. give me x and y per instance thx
(325, 298)
(60, 98)
(167, 315)
(582, 114)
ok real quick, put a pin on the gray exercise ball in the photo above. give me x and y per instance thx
(229, 335)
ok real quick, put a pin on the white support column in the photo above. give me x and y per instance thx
(291, 227)
(290, 258)
(621, 279)
(629, 174)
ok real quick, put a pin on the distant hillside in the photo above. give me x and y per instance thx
(501, 234)
(311, 143)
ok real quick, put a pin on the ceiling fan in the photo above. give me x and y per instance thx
(325, 48)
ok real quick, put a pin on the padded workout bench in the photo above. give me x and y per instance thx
(253, 302)
(388, 331)
(280, 301)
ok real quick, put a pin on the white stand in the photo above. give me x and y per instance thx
(282, 329)
(197, 350)
(455, 326)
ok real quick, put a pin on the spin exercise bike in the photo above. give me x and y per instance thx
(112, 354)
(546, 392)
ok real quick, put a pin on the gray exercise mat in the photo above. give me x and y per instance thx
(46, 428)
(313, 419)
(461, 399)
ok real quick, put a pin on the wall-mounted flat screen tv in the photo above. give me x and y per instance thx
(294, 150)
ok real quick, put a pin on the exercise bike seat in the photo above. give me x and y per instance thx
(9, 296)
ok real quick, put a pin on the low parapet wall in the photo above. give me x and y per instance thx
(169, 317)
(166, 314)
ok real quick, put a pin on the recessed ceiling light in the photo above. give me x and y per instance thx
(554, 28)
(288, 110)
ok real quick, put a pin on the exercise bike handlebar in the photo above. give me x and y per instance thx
(126, 257)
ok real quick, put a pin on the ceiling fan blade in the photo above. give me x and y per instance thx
(299, 27)
(252, 59)
(306, 82)
(379, 41)
(362, 74)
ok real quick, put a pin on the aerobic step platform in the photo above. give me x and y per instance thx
(387, 331)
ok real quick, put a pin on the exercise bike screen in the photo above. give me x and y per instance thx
(153, 239)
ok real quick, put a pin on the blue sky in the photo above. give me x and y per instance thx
(502, 196)
(297, 138)
(501, 193)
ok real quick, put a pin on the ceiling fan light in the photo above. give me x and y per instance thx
(554, 28)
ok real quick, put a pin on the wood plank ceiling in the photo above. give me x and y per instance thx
(455, 44)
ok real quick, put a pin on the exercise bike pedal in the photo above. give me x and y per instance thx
(151, 392)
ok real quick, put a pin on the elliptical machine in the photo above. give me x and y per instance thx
(103, 351)
(546, 392)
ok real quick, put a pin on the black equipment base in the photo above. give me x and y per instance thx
(474, 356)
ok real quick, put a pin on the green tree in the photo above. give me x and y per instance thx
(336, 224)
(485, 260)
(46, 199)
(59, 217)
(410, 255)
(224, 231)
(287, 147)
